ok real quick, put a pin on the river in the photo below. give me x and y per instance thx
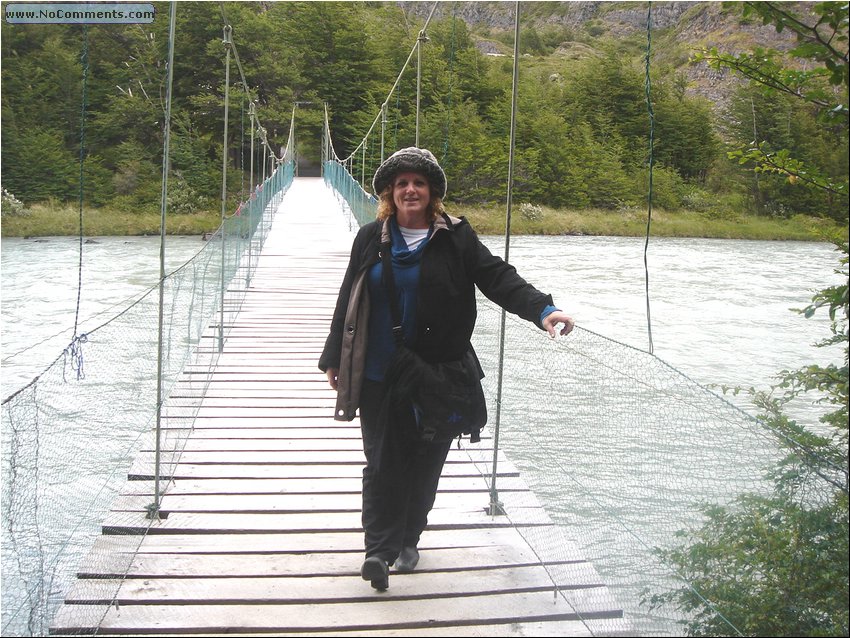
(720, 309)
(720, 313)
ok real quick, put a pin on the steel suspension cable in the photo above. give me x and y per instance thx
(153, 509)
(232, 48)
(84, 58)
(228, 44)
(395, 84)
(647, 87)
(495, 506)
(242, 148)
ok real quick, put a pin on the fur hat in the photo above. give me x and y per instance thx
(418, 160)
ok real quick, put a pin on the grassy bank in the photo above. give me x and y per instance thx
(46, 220)
(632, 223)
(43, 220)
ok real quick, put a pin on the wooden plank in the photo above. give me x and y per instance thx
(325, 589)
(279, 444)
(145, 471)
(221, 392)
(284, 420)
(351, 456)
(303, 565)
(283, 503)
(541, 629)
(265, 555)
(248, 405)
(287, 543)
(271, 445)
(238, 523)
(389, 614)
(352, 485)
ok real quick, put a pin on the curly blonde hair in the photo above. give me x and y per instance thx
(386, 205)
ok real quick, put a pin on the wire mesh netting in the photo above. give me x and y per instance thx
(358, 205)
(59, 487)
(628, 449)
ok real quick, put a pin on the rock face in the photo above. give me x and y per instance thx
(694, 25)
(615, 18)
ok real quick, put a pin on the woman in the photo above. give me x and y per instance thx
(437, 261)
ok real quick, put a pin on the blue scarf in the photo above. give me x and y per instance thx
(406, 267)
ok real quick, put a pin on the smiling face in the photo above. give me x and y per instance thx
(411, 196)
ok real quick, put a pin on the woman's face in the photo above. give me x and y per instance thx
(411, 195)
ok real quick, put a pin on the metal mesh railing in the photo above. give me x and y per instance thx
(70, 436)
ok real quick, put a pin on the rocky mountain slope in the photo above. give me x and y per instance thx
(678, 29)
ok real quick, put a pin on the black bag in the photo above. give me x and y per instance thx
(447, 398)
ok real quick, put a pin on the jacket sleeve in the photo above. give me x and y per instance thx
(500, 282)
(330, 357)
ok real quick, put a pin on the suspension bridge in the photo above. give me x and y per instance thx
(259, 528)
(232, 505)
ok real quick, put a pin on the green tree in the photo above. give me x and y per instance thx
(37, 165)
(41, 111)
(608, 93)
(685, 140)
(783, 122)
(335, 61)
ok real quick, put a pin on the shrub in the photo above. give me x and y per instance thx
(12, 205)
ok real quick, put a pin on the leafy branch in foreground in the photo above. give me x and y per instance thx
(782, 163)
(814, 73)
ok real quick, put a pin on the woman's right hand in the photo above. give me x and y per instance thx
(333, 377)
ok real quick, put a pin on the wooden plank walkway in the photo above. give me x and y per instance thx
(261, 530)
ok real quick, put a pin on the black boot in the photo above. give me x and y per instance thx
(376, 570)
(407, 560)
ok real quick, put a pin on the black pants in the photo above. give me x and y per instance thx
(400, 478)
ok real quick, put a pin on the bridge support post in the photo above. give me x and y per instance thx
(383, 128)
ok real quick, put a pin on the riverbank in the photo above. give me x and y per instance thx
(43, 220)
(631, 222)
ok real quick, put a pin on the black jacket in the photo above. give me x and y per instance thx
(453, 262)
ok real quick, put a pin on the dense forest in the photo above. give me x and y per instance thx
(583, 121)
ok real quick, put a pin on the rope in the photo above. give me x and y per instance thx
(445, 159)
(84, 58)
(74, 350)
(647, 86)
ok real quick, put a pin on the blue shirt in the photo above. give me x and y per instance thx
(406, 267)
